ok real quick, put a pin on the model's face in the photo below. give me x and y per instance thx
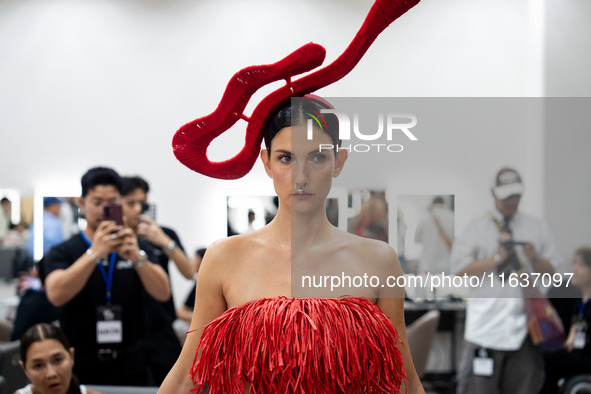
(49, 366)
(92, 205)
(132, 206)
(296, 160)
(581, 272)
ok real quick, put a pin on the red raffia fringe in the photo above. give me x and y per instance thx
(300, 345)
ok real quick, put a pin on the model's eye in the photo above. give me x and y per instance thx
(285, 159)
(318, 158)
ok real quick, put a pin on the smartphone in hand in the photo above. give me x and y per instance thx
(113, 212)
(150, 211)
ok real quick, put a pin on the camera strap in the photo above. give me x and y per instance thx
(513, 262)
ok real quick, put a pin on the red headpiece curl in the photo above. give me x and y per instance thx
(190, 142)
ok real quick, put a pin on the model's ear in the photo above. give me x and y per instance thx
(340, 162)
(265, 159)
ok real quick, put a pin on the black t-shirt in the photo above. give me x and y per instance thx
(586, 318)
(161, 314)
(162, 344)
(33, 308)
(79, 316)
(190, 301)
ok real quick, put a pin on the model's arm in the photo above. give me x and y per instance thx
(64, 284)
(209, 304)
(393, 306)
(158, 237)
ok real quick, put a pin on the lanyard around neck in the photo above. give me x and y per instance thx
(582, 308)
(107, 278)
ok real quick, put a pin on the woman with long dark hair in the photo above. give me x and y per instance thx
(47, 359)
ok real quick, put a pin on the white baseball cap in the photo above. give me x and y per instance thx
(507, 183)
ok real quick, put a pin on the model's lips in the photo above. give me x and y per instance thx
(301, 195)
(55, 386)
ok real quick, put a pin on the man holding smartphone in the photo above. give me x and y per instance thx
(499, 356)
(161, 344)
(99, 276)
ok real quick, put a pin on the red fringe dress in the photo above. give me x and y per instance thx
(300, 345)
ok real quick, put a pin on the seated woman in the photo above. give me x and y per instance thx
(256, 323)
(575, 358)
(47, 361)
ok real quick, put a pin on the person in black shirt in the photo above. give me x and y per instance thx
(98, 276)
(185, 312)
(162, 345)
(33, 306)
(575, 357)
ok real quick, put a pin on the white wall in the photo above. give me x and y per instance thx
(567, 140)
(108, 82)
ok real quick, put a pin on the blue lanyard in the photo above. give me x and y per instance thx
(108, 279)
(582, 308)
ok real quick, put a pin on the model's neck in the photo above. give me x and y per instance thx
(301, 229)
(307, 230)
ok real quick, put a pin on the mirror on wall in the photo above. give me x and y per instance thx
(16, 214)
(249, 213)
(56, 218)
(426, 230)
(368, 214)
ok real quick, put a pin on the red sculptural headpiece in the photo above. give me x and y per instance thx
(190, 142)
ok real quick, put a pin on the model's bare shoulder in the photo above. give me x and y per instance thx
(370, 249)
(225, 249)
(227, 254)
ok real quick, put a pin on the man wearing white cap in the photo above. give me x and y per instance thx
(498, 355)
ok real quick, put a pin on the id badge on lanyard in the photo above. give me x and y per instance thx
(482, 363)
(109, 323)
(109, 326)
(580, 335)
(581, 328)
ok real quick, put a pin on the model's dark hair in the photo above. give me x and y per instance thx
(100, 176)
(585, 253)
(132, 183)
(41, 332)
(296, 113)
